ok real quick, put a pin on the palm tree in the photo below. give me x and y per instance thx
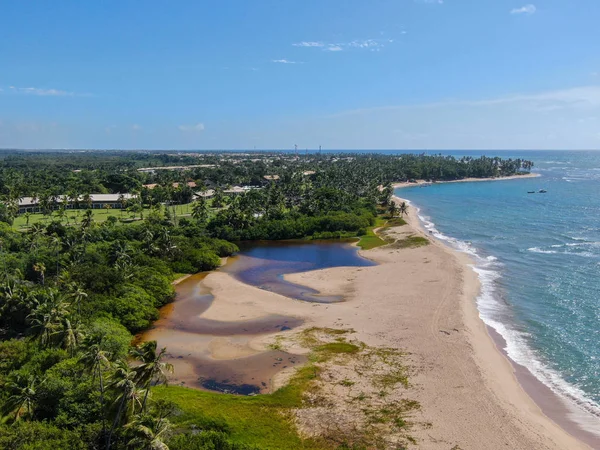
(87, 199)
(68, 336)
(78, 296)
(57, 242)
(393, 209)
(47, 316)
(200, 210)
(149, 432)
(403, 209)
(152, 369)
(96, 361)
(22, 399)
(122, 202)
(128, 398)
(27, 216)
(41, 269)
(88, 219)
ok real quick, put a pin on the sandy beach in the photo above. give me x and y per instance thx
(418, 300)
(423, 300)
(465, 180)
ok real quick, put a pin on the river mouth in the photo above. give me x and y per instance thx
(218, 355)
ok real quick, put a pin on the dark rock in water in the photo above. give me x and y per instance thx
(230, 388)
(284, 328)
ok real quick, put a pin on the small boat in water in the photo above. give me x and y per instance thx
(542, 191)
(531, 192)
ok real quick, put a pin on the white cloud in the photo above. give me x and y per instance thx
(308, 44)
(199, 127)
(527, 9)
(285, 61)
(40, 91)
(578, 98)
(363, 44)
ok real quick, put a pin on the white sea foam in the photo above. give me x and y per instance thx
(539, 250)
(583, 254)
(496, 314)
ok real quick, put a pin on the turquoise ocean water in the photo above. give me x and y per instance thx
(538, 258)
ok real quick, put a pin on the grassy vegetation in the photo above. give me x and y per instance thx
(263, 421)
(74, 216)
(337, 348)
(373, 240)
(266, 421)
(411, 242)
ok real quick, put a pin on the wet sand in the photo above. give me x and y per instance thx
(218, 354)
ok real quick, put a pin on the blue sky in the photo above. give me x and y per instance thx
(346, 74)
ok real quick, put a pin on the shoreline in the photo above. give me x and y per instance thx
(405, 184)
(552, 406)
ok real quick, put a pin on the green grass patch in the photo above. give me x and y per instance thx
(262, 420)
(338, 348)
(371, 239)
(99, 216)
(411, 242)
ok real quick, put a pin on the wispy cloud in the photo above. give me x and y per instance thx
(199, 127)
(41, 91)
(309, 44)
(365, 44)
(439, 2)
(580, 98)
(285, 61)
(527, 9)
(136, 127)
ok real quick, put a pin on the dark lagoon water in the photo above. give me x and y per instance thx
(264, 265)
(538, 259)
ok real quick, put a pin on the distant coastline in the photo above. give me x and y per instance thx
(406, 184)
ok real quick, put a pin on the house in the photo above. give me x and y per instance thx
(97, 201)
(151, 186)
(205, 194)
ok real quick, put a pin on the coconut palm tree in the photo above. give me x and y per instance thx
(87, 199)
(47, 316)
(88, 219)
(152, 369)
(200, 210)
(57, 243)
(149, 433)
(41, 269)
(403, 208)
(96, 361)
(27, 216)
(78, 295)
(68, 336)
(393, 209)
(128, 398)
(22, 398)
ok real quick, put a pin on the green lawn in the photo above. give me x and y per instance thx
(74, 216)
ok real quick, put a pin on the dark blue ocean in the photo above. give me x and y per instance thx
(538, 258)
